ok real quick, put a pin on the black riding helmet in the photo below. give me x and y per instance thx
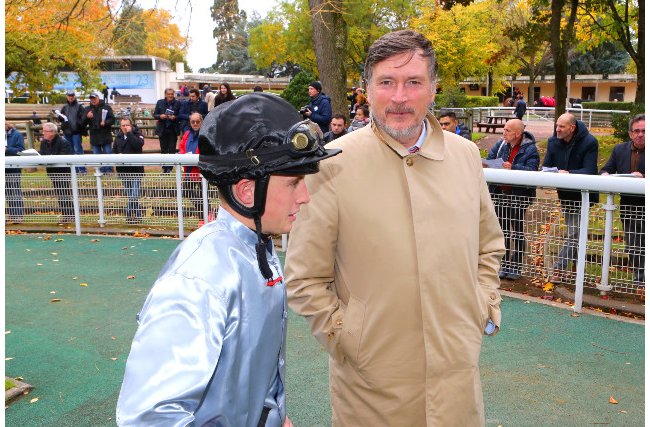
(253, 137)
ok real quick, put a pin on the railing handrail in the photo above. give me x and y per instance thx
(610, 184)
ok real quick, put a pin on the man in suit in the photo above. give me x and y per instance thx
(167, 129)
(629, 158)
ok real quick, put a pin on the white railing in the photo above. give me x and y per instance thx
(591, 118)
(175, 201)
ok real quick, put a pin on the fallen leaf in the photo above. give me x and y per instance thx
(623, 412)
(28, 250)
(34, 400)
(130, 277)
(38, 263)
(19, 378)
(8, 358)
(7, 332)
(58, 240)
(575, 315)
(94, 240)
(548, 287)
(612, 400)
(154, 250)
(52, 292)
(48, 237)
(113, 338)
(526, 302)
(55, 260)
(113, 358)
(83, 284)
(54, 253)
(55, 300)
(125, 247)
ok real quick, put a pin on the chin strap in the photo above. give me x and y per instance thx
(260, 248)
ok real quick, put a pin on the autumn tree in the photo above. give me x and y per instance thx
(130, 32)
(43, 38)
(624, 22)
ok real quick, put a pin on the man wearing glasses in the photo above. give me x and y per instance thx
(54, 144)
(629, 158)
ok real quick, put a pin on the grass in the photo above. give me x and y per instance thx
(9, 384)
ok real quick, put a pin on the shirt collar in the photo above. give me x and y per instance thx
(423, 136)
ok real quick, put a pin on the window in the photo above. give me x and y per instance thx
(617, 93)
(588, 93)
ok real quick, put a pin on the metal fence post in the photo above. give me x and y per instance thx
(100, 197)
(609, 207)
(204, 195)
(75, 200)
(582, 251)
(30, 134)
(179, 200)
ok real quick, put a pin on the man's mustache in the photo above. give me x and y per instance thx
(399, 110)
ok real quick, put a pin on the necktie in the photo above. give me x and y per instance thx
(414, 149)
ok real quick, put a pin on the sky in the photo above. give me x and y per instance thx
(201, 53)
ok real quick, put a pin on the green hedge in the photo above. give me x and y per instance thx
(482, 101)
(608, 105)
(296, 92)
(620, 122)
(455, 98)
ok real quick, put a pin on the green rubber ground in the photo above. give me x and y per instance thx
(545, 368)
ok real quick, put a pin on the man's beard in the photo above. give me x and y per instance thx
(398, 134)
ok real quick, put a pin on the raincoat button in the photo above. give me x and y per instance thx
(409, 161)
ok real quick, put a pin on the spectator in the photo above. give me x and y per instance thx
(210, 344)
(361, 118)
(14, 144)
(359, 100)
(572, 149)
(54, 144)
(206, 89)
(337, 128)
(353, 100)
(520, 107)
(384, 278)
(105, 92)
(225, 94)
(320, 107)
(192, 105)
(518, 151)
(192, 182)
(258, 89)
(72, 125)
(209, 98)
(114, 93)
(167, 126)
(449, 122)
(629, 158)
(130, 141)
(99, 119)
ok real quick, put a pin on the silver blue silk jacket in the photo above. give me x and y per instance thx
(210, 345)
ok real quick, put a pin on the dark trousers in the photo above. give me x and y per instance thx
(633, 219)
(167, 140)
(192, 191)
(63, 190)
(14, 196)
(511, 211)
(131, 184)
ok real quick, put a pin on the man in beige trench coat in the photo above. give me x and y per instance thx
(395, 261)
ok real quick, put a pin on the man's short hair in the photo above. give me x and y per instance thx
(196, 92)
(126, 119)
(396, 43)
(633, 120)
(168, 89)
(449, 114)
(51, 127)
(340, 116)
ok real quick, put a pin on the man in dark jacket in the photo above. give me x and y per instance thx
(13, 187)
(572, 149)
(54, 144)
(99, 118)
(167, 128)
(130, 141)
(629, 158)
(518, 151)
(72, 124)
(337, 129)
(192, 105)
(520, 107)
(449, 122)
(320, 107)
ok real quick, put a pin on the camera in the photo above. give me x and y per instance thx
(304, 109)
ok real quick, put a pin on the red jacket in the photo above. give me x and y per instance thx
(190, 171)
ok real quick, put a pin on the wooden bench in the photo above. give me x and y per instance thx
(490, 126)
(127, 99)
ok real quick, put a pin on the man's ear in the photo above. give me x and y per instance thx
(244, 191)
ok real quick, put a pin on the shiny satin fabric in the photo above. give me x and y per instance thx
(210, 345)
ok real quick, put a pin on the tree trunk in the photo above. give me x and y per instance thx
(561, 40)
(330, 41)
(640, 64)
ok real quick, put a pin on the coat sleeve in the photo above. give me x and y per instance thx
(110, 117)
(174, 353)
(15, 144)
(184, 111)
(309, 266)
(158, 110)
(549, 160)
(590, 158)
(493, 151)
(610, 166)
(530, 160)
(491, 250)
(324, 114)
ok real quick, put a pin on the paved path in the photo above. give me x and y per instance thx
(545, 368)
